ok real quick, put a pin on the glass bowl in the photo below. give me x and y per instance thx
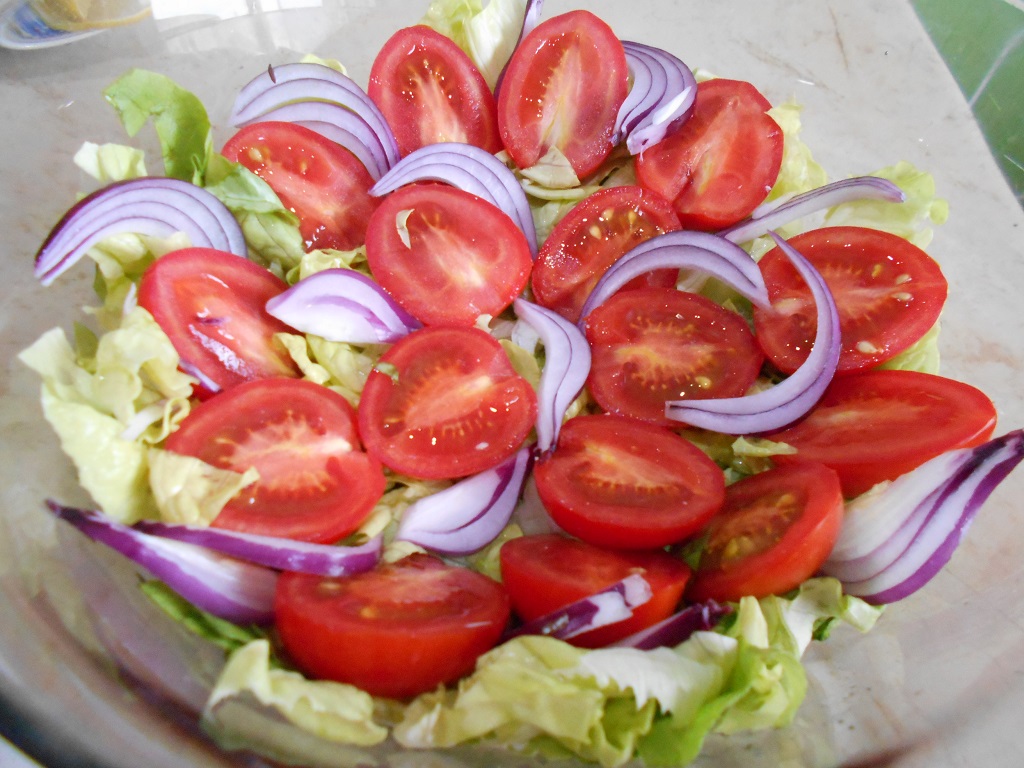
(110, 681)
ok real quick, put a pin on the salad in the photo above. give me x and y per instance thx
(273, 406)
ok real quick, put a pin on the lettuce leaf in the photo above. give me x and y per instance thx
(108, 402)
(488, 34)
(912, 219)
(179, 117)
(544, 696)
(188, 491)
(111, 162)
(330, 710)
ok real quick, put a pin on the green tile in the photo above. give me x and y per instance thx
(982, 42)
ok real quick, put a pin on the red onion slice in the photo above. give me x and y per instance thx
(677, 628)
(681, 249)
(661, 98)
(774, 215)
(342, 305)
(566, 366)
(609, 606)
(311, 82)
(231, 589)
(337, 123)
(926, 512)
(155, 206)
(468, 515)
(272, 552)
(787, 401)
(472, 170)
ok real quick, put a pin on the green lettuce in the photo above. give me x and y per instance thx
(912, 219)
(111, 162)
(189, 491)
(108, 401)
(545, 696)
(179, 118)
(488, 34)
(330, 710)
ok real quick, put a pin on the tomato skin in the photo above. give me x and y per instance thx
(545, 572)
(790, 516)
(563, 87)
(319, 180)
(877, 425)
(596, 233)
(430, 91)
(650, 345)
(316, 483)
(397, 631)
(465, 257)
(722, 162)
(888, 291)
(454, 407)
(211, 304)
(620, 483)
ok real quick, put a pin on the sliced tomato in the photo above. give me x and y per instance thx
(623, 484)
(319, 180)
(562, 89)
(399, 630)
(546, 572)
(430, 92)
(888, 291)
(722, 162)
(595, 234)
(315, 481)
(445, 255)
(444, 403)
(655, 344)
(774, 532)
(211, 305)
(877, 425)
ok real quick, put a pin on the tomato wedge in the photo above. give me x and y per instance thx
(620, 483)
(211, 305)
(445, 255)
(774, 532)
(316, 483)
(546, 572)
(877, 425)
(889, 293)
(397, 631)
(444, 403)
(563, 88)
(595, 234)
(655, 344)
(430, 91)
(319, 180)
(722, 162)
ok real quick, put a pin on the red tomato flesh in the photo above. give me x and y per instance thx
(563, 88)
(211, 305)
(774, 532)
(546, 572)
(397, 631)
(655, 344)
(319, 180)
(430, 91)
(722, 162)
(888, 291)
(595, 234)
(877, 425)
(445, 403)
(623, 484)
(446, 256)
(316, 483)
